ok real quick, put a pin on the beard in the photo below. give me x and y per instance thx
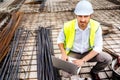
(83, 24)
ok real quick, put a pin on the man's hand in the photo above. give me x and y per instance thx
(78, 62)
(64, 57)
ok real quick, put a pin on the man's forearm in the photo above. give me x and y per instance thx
(61, 47)
(89, 56)
(64, 55)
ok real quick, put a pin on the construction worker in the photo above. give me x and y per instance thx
(81, 38)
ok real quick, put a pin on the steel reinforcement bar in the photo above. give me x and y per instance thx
(45, 67)
(11, 65)
(8, 33)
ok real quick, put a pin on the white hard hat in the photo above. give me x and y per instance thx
(83, 7)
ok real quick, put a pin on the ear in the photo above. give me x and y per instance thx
(91, 15)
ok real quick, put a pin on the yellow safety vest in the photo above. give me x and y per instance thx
(69, 32)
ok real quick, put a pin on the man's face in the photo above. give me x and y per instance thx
(83, 20)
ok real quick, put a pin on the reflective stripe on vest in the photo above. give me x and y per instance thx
(69, 32)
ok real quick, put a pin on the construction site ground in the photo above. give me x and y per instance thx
(53, 15)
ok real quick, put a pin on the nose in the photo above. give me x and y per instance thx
(82, 19)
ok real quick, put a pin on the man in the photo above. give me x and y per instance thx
(81, 38)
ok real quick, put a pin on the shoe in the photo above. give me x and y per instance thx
(94, 76)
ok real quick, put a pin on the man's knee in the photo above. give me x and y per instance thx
(105, 57)
(108, 58)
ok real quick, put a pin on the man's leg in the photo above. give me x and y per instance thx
(103, 60)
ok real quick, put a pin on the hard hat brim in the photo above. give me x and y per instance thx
(83, 13)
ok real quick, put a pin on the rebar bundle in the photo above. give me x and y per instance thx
(7, 33)
(44, 63)
(10, 68)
